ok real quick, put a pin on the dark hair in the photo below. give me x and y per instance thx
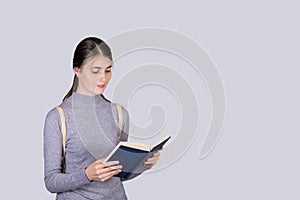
(85, 50)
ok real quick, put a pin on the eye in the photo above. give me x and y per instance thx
(108, 70)
(95, 70)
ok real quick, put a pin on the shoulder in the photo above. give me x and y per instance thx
(122, 108)
(52, 115)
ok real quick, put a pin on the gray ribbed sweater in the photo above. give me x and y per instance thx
(92, 132)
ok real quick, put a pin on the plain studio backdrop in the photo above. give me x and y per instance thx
(255, 46)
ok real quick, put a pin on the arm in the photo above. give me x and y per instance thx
(125, 130)
(55, 180)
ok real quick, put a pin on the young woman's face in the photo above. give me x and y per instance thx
(94, 76)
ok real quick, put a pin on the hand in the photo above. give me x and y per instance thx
(150, 162)
(102, 171)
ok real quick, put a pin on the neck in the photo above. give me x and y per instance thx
(83, 92)
(83, 99)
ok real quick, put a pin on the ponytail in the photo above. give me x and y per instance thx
(73, 88)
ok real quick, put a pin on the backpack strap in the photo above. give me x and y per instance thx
(63, 128)
(120, 118)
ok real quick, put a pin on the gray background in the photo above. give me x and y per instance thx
(255, 45)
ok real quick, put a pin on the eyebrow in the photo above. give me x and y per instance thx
(102, 67)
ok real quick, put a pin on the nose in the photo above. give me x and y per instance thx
(102, 77)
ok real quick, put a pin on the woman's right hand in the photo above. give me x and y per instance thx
(102, 171)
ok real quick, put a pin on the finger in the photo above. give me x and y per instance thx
(99, 166)
(152, 159)
(156, 154)
(148, 166)
(110, 163)
(150, 163)
(149, 160)
(101, 172)
(102, 176)
(108, 169)
(106, 164)
(108, 175)
(101, 161)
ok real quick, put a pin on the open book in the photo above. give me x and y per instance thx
(132, 156)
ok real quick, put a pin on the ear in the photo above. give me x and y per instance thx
(76, 70)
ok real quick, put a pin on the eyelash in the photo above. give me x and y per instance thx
(108, 71)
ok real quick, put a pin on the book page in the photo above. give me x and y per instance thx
(135, 145)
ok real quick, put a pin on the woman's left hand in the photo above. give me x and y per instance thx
(150, 162)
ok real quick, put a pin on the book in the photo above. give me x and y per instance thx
(132, 155)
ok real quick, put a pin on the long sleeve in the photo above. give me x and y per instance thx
(55, 180)
(125, 130)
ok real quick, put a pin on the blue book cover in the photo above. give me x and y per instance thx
(132, 156)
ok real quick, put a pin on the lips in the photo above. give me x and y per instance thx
(100, 86)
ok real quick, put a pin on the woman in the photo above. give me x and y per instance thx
(92, 132)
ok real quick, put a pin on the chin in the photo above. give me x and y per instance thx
(99, 91)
